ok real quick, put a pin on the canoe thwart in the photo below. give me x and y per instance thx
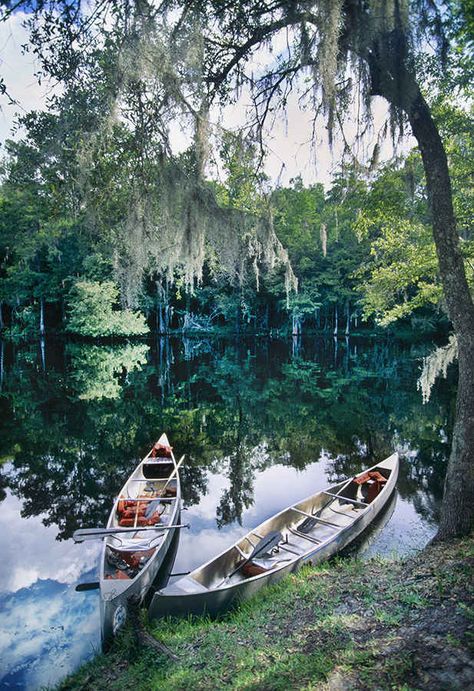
(287, 549)
(305, 536)
(352, 501)
(343, 513)
(316, 519)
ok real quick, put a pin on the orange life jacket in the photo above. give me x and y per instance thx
(161, 451)
(249, 569)
(375, 482)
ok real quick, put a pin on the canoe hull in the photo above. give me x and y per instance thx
(114, 608)
(115, 593)
(216, 601)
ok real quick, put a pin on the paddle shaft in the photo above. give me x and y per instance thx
(93, 533)
(176, 468)
(346, 484)
(178, 464)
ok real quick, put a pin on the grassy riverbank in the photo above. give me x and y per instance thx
(350, 624)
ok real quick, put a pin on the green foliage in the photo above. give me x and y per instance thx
(362, 247)
(403, 270)
(97, 370)
(25, 326)
(325, 277)
(243, 180)
(91, 312)
(401, 277)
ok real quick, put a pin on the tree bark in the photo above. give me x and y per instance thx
(457, 511)
(388, 58)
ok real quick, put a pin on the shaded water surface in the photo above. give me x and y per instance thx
(262, 423)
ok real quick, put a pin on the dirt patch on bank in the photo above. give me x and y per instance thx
(414, 626)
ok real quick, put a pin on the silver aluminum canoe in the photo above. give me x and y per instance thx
(216, 586)
(150, 475)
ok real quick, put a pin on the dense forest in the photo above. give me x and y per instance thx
(285, 329)
(362, 250)
(109, 228)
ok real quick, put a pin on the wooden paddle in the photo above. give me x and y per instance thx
(309, 523)
(266, 544)
(164, 488)
(95, 533)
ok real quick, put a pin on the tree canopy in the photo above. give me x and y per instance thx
(133, 72)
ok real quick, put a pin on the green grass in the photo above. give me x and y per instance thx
(340, 620)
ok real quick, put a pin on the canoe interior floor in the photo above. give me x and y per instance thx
(339, 514)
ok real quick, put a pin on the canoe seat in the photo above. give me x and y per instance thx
(186, 586)
(250, 569)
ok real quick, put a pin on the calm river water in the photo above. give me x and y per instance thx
(262, 423)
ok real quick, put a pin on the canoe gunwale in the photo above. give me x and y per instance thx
(134, 583)
(343, 536)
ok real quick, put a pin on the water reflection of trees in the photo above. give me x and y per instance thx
(74, 434)
(96, 371)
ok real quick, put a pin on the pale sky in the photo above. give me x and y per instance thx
(18, 72)
(290, 146)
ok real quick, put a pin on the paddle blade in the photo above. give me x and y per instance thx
(88, 534)
(307, 525)
(266, 544)
(82, 587)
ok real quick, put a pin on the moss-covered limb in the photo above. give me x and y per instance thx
(348, 624)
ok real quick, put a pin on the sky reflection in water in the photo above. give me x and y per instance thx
(262, 427)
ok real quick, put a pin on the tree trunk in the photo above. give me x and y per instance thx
(167, 308)
(457, 511)
(43, 353)
(336, 321)
(160, 307)
(296, 324)
(1, 363)
(266, 318)
(41, 324)
(388, 58)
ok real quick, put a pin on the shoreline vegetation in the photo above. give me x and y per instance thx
(399, 623)
(374, 333)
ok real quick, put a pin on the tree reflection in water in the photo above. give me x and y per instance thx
(75, 421)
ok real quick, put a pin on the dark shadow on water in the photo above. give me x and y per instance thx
(166, 569)
(373, 531)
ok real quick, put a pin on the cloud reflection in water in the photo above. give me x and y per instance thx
(47, 628)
